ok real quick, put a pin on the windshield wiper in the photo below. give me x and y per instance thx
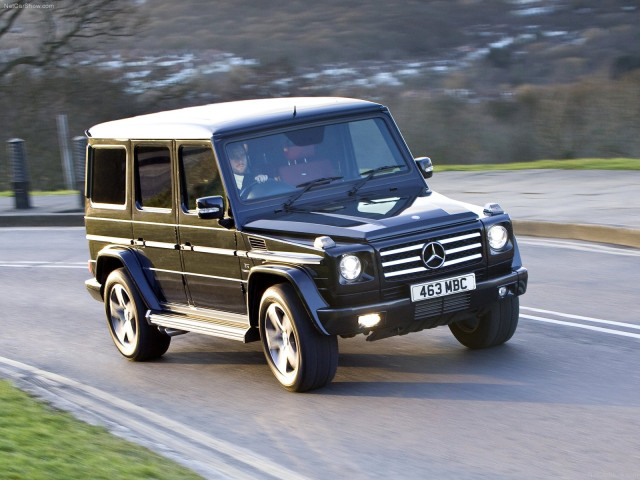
(308, 186)
(369, 175)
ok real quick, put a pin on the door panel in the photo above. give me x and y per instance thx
(154, 227)
(212, 268)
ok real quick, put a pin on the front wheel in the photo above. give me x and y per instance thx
(492, 328)
(300, 357)
(130, 332)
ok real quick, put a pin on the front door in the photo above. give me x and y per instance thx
(211, 266)
(154, 220)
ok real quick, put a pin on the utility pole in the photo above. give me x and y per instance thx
(65, 152)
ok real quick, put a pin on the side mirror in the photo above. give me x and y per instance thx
(210, 207)
(425, 166)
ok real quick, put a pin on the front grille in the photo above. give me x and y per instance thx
(405, 260)
(442, 305)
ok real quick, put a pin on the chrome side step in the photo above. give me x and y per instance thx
(218, 327)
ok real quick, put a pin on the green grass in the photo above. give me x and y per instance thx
(573, 164)
(38, 442)
(9, 193)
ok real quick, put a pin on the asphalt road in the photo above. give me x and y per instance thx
(560, 400)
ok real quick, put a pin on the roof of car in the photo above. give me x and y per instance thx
(202, 122)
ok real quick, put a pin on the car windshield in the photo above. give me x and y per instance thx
(287, 163)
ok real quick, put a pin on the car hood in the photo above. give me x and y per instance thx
(368, 219)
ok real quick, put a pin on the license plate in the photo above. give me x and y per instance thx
(440, 288)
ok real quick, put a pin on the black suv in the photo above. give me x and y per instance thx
(290, 221)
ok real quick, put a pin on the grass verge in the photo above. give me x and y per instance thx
(573, 164)
(9, 193)
(38, 442)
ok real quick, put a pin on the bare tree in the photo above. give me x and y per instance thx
(39, 33)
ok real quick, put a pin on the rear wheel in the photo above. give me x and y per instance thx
(130, 332)
(300, 357)
(494, 327)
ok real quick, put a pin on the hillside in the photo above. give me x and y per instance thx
(504, 41)
(469, 81)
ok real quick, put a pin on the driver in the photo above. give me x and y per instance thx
(240, 166)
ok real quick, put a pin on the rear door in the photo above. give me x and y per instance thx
(155, 232)
(211, 265)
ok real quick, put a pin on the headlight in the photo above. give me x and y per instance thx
(497, 236)
(350, 267)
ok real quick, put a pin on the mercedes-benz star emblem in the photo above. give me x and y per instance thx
(433, 255)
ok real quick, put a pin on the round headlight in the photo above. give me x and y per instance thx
(498, 237)
(350, 267)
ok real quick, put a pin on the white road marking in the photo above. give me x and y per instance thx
(580, 317)
(34, 229)
(210, 456)
(41, 264)
(579, 325)
(586, 326)
(580, 246)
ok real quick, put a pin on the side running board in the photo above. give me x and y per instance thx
(218, 327)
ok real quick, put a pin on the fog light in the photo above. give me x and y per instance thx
(502, 291)
(369, 320)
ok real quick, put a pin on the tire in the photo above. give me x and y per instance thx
(130, 332)
(493, 328)
(300, 357)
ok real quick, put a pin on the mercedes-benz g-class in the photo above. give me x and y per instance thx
(288, 221)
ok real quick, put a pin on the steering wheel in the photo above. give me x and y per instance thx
(268, 188)
(246, 190)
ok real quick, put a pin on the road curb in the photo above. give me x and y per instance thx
(627, 237)
(44, 220)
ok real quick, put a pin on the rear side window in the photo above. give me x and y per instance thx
(108, 175)
(153, 176)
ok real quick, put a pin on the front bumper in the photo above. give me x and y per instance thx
(404, 316)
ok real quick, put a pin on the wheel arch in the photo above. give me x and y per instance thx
(265, 276)
(112, 258)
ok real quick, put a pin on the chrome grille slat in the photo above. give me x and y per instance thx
(402, 250)
(460, 248)
(400, 261)
(461, 260)
(466, 247)
(405, 272)
(459, 238)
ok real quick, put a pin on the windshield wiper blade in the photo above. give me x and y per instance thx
(308, 186)
(369, 175)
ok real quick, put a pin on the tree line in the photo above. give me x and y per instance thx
(597, 117)
(559, 100)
